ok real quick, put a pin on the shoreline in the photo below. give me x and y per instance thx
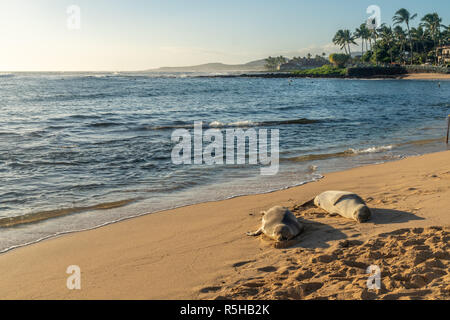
(132, 217)
(91, 125)
(317, 177)
(178, 245)
(288, 75)
(426, 76)
(266, 74)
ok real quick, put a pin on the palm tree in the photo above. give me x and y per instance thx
(374, 35)
(274, 63)
(419, 36)
(348, 39)
(271, 63)
(432, 22)
(387, 37)
(446, 35)
(400, 36)
(403, 16)
(366, 33)
(339, 40)
(362, 33)
(344, 38)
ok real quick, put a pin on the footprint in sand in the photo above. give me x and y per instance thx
(242, 263)
(414, 264)
(210, 289)
(267, 269)
(254, 284)
(303, 290)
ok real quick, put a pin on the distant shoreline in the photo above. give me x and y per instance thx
(257, 74)
(287, 75)
(425, 76)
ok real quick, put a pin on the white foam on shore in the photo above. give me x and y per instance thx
(372, 149)
(315, 178)
(218, 124)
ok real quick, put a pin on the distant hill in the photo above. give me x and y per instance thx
(257, 65)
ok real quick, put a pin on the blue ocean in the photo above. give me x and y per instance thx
(81, 150)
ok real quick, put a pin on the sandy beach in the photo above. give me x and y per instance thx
(426, 76)
(202, 252)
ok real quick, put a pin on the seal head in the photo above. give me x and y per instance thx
(362, 214)
(279, 224)
(283, 233)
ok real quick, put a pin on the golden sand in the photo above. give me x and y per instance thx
(426, 76)
(202, 252)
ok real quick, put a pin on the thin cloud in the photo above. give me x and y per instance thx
(328, 48)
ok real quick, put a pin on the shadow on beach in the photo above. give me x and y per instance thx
(387, 216)
(317, 235)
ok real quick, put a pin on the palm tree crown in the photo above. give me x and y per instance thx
(432, 22)
(403, 16)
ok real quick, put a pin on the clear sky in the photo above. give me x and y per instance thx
(119, 35)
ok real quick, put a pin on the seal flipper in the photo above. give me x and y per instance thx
(307, 205)
(256, 233)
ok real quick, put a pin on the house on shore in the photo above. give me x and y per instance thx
(443, 54)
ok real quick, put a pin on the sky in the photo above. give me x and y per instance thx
(128, 35)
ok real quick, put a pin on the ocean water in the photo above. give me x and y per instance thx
(78, 151)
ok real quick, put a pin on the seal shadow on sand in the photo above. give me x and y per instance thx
(319, 235)
(387, 216)
(315, 235)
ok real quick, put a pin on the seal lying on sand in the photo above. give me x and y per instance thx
(279, 224)
(346, 204)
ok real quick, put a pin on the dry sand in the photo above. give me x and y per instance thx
(202, 252)
(426, 76)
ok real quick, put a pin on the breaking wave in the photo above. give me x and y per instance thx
(347, 153)
(237, 124)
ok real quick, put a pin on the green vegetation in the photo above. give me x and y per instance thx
(274, 63)
(395, 45)
(309, 61)
(344, 38)
(326, 70)
(283, 64)
(364, 34)
(403, 16)
(339, 59)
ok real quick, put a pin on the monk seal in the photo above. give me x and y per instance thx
(344, 203)
(279, 224)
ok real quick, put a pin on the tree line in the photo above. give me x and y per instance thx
(396, 44)
(273, 63)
